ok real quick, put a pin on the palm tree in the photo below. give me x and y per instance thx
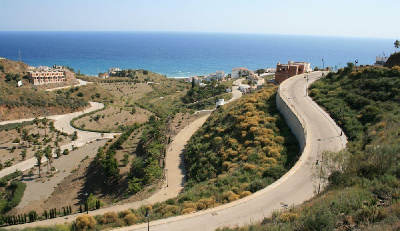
(30, 140)
(45, 121)
(48, 152)
(396, 45)
(39, 156)
(37, 121)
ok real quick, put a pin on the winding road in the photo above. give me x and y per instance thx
(62, 123)
(295, 187)
(175, 170)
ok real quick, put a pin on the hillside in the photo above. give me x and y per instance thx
(247, 140)
(394, 60)
(30, 101)
(363, 188)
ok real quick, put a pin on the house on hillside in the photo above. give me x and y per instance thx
(381, 61)
(114, 70)
(221, 102)
(218, 76)
(285, 71)
(44, 75)
(239, 72)
(104, 75)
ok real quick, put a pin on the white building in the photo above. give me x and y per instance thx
(218, 75)
(239, 72)
(195, 78)
(44, 68)
(113, 70)
(244, 88)
(221, 102)
(380, 61)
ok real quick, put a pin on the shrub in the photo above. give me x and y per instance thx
(119, 223)
(130, 219)
(19, 189)
(85, 222)
(275, 172)
(289, 217)
(124, 213)
(65, 152)
(109, 217)
(230, 196)
(245, 194)
(188, 210)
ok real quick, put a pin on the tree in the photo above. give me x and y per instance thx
(133, 110)
(125, 160)
(29, 139)
(396, 45)
(65, 152)
(39, 156)
(74, 136)
(45, 121)
(37, 121)
(48, 152)
(100, 153)
(23, 154)
(58, 152)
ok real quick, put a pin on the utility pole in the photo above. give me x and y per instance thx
(323, 64)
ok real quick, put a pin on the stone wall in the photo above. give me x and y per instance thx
(292, 119)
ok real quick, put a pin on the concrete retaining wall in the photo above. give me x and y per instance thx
(293, 120)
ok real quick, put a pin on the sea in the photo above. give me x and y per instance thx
(179, 54)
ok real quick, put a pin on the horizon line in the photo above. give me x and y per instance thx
(199, 32)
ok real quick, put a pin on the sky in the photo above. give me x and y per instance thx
(352, 18)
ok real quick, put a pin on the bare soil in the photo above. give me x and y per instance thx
(90, 178)
(6, 143)
(112, 117)
(128, 93)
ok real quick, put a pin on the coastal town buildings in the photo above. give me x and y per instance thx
(285, 71)
(239, 72)
(114, 70)
(218, 75)
(194, 78)
(104, 75)
(44, 75)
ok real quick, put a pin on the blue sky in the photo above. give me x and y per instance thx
(360, 18)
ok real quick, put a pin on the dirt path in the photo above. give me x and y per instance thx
(61, 123)
(175, 178)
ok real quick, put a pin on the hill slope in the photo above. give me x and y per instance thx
(394, 60)
(29, 101)
(363, 190)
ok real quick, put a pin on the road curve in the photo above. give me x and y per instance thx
(295, 187)
(62, 123)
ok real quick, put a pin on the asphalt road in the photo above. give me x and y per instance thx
(295, 187)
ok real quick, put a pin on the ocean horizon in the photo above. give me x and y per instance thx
(184, 54)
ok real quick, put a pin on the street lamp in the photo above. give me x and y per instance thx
(323, 64)
(148, 219)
